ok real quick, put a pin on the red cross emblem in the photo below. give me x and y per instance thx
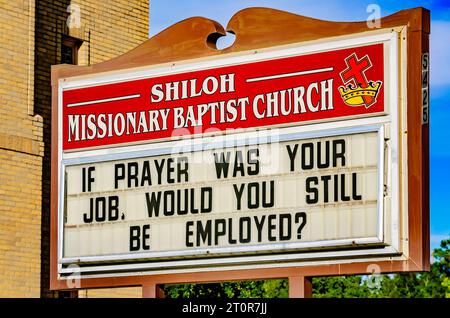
(354, 74)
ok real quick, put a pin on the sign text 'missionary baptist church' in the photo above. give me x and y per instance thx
(284, 153)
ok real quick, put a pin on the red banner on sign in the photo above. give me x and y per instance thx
(290, 90)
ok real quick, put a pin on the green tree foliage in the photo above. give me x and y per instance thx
(340, 287)
(435, 283)
(430, 284)
(276, 288)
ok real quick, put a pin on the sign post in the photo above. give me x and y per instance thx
(290, 154)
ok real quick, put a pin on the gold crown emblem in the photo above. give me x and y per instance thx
(355, 96)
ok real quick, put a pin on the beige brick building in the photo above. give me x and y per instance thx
(35, 35)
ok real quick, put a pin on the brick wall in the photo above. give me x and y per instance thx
(111, 27)
(108, 29)
(21, 151)
(126, 292)
(32, 32)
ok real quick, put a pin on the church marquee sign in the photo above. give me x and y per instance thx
(274, 157)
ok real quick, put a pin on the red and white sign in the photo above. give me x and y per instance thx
(326, 86)
(296, 150)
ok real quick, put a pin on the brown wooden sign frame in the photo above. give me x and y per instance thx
(257, 28)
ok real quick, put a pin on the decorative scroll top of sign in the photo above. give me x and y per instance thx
(254, 28)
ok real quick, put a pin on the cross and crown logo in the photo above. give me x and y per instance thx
(359, 91)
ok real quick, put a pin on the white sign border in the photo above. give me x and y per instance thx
(199, 252)
(391, 73)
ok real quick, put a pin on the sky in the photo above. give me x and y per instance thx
(164, 13)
